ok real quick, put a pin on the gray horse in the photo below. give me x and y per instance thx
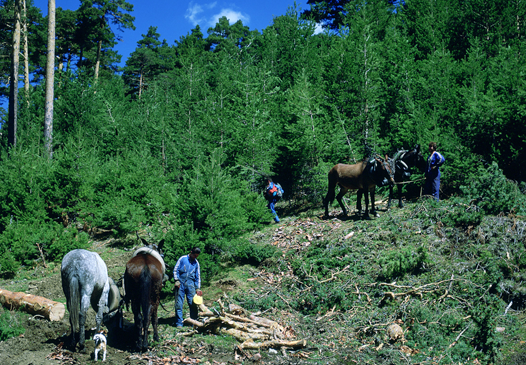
(85, 280)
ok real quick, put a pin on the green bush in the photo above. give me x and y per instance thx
(494, 193)
(247, 252)
(486, 340)
(396, 264)
(10, 325)
(22, 241)
(66, 240)
(461, 213)
(8, 265)
(211, 209)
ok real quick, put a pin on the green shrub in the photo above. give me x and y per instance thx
(211, 209)
(24, 240)
(406, 260)
(461, 213)
(486, 340)
(8, 265)
(247, 252)
(10, 325)
(494, 193)
(66, 240)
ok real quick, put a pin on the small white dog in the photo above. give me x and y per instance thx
(100, 344)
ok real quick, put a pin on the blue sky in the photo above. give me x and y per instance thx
(175, 18)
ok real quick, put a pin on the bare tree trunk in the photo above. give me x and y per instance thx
(13, 87)
(97, 64)
(26, 54)
(140, 85)
(50, 78)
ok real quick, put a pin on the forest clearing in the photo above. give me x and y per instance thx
(181, 144)
(328, 283)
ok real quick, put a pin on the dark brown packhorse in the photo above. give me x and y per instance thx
(404, 162)
(364, 175)
(143, 281)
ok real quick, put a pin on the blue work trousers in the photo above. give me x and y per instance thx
(189, 290)
(432, 186)
(271, 204)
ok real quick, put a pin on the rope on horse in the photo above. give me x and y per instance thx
(410, 181)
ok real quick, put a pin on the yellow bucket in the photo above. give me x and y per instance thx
(198, 299)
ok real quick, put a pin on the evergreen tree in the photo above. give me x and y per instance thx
(435, 25)
(95, 34)
(145, 63)
(228, 37)
(331, 13)
(365, 26)
(67, 47)
(401, 127)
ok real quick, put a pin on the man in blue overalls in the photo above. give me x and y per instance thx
(434, 161)
(187, 277)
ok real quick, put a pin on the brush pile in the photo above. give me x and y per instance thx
(252, 331)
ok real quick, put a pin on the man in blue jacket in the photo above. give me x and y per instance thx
(187, 275)
(434, 162)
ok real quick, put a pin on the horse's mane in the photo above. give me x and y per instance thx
(151, 251)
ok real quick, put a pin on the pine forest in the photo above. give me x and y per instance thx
(178, 145)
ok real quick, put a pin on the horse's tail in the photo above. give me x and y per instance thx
(74, 303)
(145, 290)
(333, 179)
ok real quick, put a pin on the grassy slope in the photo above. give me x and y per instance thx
(340, 283)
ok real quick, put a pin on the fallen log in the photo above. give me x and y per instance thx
(190, 321)
(266, 322)
(251, 345)
(241, 335)
(51, 310)
(205, 311)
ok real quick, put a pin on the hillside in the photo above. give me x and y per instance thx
(456, 292)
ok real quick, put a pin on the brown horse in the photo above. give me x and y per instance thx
(364, 175)
(143, 281)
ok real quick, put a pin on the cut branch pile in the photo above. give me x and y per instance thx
(252, 331)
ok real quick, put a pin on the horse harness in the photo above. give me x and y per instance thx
(372, 165)
(398, 159)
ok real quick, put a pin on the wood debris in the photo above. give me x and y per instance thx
(252, 331)
(64, 356)
(166, 360)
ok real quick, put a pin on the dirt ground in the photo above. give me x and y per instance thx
(43, 341)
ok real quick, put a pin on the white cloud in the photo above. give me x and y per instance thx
(197, 14)
(194, 12)
(318, 29)
(231, 15)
